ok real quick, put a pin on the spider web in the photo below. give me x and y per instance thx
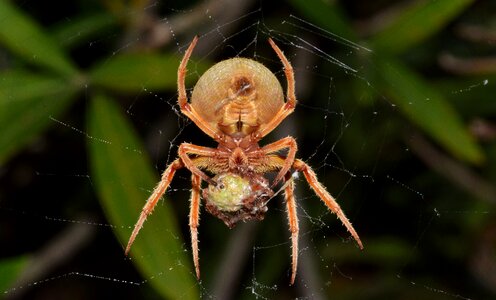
(368, 179)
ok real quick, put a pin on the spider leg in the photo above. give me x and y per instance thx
(288, 70)
(290, 104)
(153, 199)
(182, 99)
(185, 149)
(325, 197)
(289, 143)
(194, 215)
(293, 224)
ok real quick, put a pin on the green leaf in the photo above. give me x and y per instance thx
(25, 38)
(82, 28)
(427, 108)
(327, 16)
(135, 72)
(124, 179)
(27, 104)
(417, 22)
(10, 268)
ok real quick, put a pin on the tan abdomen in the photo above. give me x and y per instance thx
(237, 95)
(239, 118)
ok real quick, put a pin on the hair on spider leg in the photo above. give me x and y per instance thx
(292, 175)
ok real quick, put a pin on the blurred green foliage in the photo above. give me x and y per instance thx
(31, 99)
(120, 174)
(44, 79)
(10, 268)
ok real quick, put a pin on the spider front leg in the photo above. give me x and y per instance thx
(289, 143)
(293, 224)
(153, 199)
(185, 149)
(325, 197)
(194, 216)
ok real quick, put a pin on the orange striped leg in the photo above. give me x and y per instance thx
(293, 225)
(194, 216)
(288, 71)
(289, 143)
(290, 104)
(185, 149)
(182, 98)
(181, 74)
(326, 197)
(153, 199)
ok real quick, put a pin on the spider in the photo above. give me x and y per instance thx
(237, 102)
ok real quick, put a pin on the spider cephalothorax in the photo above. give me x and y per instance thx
(237, 102)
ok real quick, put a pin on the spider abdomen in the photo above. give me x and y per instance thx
(237, 95)
(239, 117)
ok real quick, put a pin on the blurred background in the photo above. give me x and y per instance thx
(396, 113)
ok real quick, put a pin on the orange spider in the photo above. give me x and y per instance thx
(237, 102)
